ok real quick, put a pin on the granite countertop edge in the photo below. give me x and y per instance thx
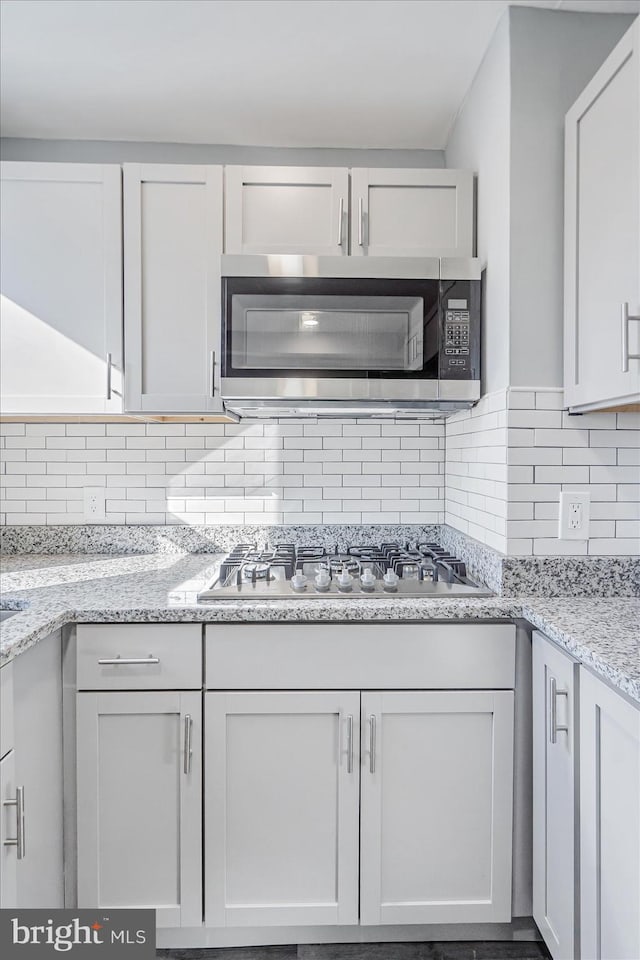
(601, 633)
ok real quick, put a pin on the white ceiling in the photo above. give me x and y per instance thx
(305, 73)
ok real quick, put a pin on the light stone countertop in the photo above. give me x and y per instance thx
(51, 591)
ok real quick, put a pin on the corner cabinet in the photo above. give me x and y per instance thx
(602, 235)
(555, 687)
(31, 779)
(172, 247)
(609, 823)
(61, 275)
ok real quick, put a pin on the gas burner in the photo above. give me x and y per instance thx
(254, 570)
(339, 564)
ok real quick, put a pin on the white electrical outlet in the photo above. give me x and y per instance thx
(94, 504)
(574, 516)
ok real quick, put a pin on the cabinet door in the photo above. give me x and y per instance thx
(281, 809)
(139, 803)
(286, 210)
(602, 232)
(436, 817)
(172, 247)
(554, 881)
(38, 739)
(61, 272)
(609, 823)
(411, 213)
(8, 833)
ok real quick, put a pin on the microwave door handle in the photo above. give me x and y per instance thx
(340, 220)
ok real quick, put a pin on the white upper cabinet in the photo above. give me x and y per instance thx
(296, 210)
(602, 235)
(61, 272)
(412, 213)
(554, 796)
(172, 247)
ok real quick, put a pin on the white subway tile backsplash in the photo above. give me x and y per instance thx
(231, 473)
(546, 451)
(494, 472)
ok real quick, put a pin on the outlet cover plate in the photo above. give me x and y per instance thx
(95, 504)
(574, 515)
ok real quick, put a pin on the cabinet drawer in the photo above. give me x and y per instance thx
(360, 656)
(170, 655)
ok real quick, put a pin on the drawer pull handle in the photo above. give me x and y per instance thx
(127, 661)
(19, 840)
(188, 751)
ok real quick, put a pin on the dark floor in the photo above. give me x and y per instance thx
(454, 950)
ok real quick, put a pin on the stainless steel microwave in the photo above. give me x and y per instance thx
(351, 335)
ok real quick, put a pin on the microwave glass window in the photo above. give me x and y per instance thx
(335, 333)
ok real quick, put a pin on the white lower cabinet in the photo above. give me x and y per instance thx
(317, 801)
(9, 827)
(139, 803)
(554, 817)
(437, 796)
(609, 823)
(31, 779)
(281, 808)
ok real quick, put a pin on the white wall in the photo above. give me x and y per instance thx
(553, 56)
(106, 151)
(479, 141)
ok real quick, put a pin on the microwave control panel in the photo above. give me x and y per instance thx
(459, 351)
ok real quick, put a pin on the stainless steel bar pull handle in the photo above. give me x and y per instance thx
(372, 744)
(127, 661)
(19, 840)
(188, 751)
(350, 743)
(361, 222)
(554, 727)
(212, 374)
(626, 319)
(340, 220)
(109, 365)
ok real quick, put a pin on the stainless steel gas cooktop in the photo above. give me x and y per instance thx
(362, 570)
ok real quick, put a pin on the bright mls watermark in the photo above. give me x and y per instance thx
(78, 933)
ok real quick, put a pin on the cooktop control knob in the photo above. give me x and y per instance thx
(367, 580)
(298, 581)
(322, 580)
(344, 580)
(390, 580)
